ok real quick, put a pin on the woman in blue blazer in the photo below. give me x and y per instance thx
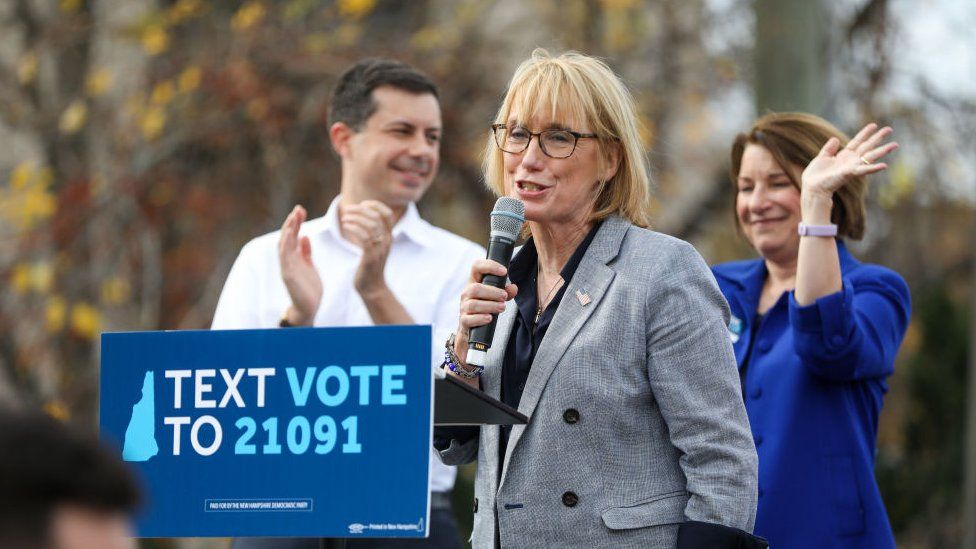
(814, 331)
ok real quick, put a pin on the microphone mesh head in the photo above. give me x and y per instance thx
(507, 217)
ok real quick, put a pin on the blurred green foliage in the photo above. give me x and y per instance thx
(922, 484)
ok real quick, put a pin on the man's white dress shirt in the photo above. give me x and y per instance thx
(427, 269)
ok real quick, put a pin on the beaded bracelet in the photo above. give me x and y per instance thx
(453, 363)
(460, 370)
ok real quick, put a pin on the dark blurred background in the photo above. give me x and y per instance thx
(143, 142)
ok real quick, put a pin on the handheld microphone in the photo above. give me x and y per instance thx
(506, 224)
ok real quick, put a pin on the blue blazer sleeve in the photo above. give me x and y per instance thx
(853, 334)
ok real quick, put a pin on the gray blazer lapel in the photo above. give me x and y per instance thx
(491, 379)
(592, 278)
(491, 385)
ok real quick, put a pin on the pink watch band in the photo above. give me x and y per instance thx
(817, 230)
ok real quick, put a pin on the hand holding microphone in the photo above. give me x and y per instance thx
(486, 293)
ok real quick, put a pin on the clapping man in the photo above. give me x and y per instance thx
(370, 259)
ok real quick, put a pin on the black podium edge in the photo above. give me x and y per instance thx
(516, 417)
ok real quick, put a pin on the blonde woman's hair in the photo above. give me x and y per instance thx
(585, 89)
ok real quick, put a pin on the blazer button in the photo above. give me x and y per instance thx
(759, 440)
(837, 340)
(765, 346)
(757, 392)
(570, 499)
(571, 416)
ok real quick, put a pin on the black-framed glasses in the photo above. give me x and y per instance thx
(554, 143)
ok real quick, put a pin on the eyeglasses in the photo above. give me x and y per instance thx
(554, 143)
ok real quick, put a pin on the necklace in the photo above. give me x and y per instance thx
(542, 304)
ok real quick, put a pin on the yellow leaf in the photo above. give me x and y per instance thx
(183, 10)
(98, 82)
(903, 178)
(73, 118)
(57, 410)
(356, 8)
(38, 205)
(21, 175)
(427, 38)
(620, 35)
(618, 4)
(257, 108)
(86, 321)
(250, 14)
(54, 314)
(20, 278)
(69, 6)
(647, 132)
(901, 184)
(162, 93)
(152, 123)
(317, 42)
(27, 68)
(115, 290)
(29, 199)
(155, 39)
(297, 9)
(348, 34)
(190, 79)
(42, 277)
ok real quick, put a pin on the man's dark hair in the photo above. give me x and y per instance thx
(45, 464)
(352, 99)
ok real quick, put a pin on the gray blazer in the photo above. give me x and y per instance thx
(636, 418)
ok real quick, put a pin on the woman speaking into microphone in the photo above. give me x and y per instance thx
(611, 338)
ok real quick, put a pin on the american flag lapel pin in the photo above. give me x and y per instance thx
(583, 297)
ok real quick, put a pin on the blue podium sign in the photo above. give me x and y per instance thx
(299, 432)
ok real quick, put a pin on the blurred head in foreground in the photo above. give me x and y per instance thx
(60, 489)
